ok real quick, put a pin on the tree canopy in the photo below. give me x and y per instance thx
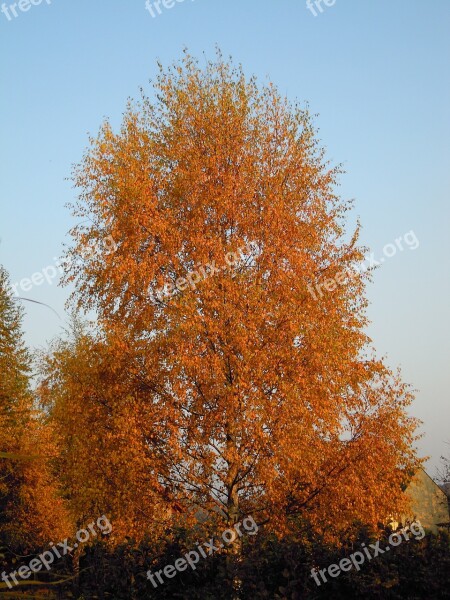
(237, 390)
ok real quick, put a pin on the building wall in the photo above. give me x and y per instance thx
(429, 504)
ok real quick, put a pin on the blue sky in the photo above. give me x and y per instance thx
(377, 74)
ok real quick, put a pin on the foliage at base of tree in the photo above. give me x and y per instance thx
(269, 568)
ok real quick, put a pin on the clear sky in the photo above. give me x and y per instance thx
(375, 71)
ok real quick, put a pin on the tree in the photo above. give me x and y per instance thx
(99, 419)
(444, 471)
(265, 397)
(31, 512)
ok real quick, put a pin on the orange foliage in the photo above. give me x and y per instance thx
(245, 394)
(101, 420)
(32, 513)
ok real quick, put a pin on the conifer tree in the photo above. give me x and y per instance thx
(31, 513)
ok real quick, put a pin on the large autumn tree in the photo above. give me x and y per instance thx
(256, 395)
